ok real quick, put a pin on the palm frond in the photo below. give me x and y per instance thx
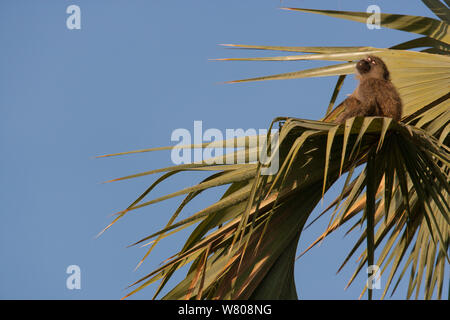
(244, 245)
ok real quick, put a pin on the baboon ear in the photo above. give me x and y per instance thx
(386, 74)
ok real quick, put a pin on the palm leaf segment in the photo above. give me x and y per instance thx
(244, 245)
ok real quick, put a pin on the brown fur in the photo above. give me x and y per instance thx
(375, 94)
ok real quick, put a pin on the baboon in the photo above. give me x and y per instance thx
(375, 94)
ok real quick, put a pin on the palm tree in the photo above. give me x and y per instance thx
(244, 245)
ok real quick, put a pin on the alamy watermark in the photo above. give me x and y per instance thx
(374, 279)
(73, 21)
(74, 280)
(235, 146)
(374, 20)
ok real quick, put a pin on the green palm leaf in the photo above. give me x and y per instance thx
(421, 25)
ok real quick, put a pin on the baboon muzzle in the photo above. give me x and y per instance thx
(363, 66)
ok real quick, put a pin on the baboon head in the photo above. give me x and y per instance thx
(372, 67)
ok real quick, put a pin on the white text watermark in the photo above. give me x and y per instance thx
(235, 146)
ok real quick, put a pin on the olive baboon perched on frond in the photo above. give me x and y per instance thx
(375, 94)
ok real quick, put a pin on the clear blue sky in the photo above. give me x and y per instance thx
(136, 71)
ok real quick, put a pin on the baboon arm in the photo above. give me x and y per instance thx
(352, 108)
